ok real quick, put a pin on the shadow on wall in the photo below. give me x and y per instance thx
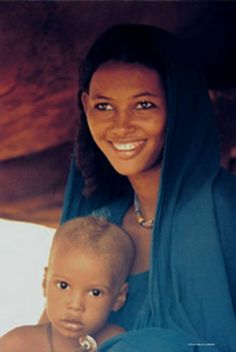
(40, 49)
(32, 186)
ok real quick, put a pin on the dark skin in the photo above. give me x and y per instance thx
(73, 306)
(130, 115)
(34, 338)
(127, 121)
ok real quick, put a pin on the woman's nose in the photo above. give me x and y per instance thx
(123, 122)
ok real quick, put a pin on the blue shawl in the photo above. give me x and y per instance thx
(189, 306)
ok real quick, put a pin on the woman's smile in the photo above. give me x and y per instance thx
(127, 150)
(127, 123)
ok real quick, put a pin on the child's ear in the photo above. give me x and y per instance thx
(44, 282)
(84, 99)
(121, 298)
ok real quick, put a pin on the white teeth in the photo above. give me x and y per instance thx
(126, 146)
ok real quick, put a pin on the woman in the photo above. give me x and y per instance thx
(147, 157)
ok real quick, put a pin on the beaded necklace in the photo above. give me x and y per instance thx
(148, 224)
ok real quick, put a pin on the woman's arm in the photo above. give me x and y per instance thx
(155, 340)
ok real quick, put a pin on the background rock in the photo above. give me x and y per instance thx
(41, 44)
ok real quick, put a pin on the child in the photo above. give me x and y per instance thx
(89, 261)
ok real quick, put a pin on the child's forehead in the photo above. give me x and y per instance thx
(63, 249)
(66, 247)
(71, 261)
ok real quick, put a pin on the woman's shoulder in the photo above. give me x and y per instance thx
(225, 206)
(225, 188)
(105, 201)
(224, 192)
(23, 339)
(109, 331)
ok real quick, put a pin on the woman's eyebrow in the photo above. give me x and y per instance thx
(147, 94)
(98, 96)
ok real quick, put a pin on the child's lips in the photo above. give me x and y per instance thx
(73, 324)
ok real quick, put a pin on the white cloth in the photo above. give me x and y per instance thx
(24, 249)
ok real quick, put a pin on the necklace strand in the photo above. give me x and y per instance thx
(148, 224)
(49, 335)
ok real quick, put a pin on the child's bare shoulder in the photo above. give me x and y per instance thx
(24, 338)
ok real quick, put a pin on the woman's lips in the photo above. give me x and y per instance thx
(127, 150)
(127, 146)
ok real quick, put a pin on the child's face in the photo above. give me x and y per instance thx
(80, 291)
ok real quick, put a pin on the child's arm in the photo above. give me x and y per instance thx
(29, 338)
(13, 341)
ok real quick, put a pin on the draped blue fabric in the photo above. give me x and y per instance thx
(189, 305)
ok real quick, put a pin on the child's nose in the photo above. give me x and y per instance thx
(76, 302)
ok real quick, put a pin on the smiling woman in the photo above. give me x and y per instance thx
(127, 122)
(146, 157)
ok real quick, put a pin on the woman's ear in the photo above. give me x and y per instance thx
(121, 298)
(44, 282)
(84, 99)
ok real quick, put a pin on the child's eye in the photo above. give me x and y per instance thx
(144, 105)
(62, 285)
(95, 292)
(103, 106)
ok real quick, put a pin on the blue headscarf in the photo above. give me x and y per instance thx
(189, 306)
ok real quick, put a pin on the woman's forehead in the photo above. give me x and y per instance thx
(116, 66)
(119, 75)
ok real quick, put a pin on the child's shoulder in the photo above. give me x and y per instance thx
(25, 338)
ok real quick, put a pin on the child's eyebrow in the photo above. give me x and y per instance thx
(101, 287)
(58, 276)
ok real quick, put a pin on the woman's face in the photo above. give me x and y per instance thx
(126, 114)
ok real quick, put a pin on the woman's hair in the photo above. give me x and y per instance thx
(100, 236)
(121, 43)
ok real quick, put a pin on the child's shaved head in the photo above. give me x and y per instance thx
(98, 235)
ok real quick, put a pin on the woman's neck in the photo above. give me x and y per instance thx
(146, 188)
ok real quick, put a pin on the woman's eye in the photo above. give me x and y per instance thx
(103, 106)
(144, 105)
(62, 285)
(95, 292)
